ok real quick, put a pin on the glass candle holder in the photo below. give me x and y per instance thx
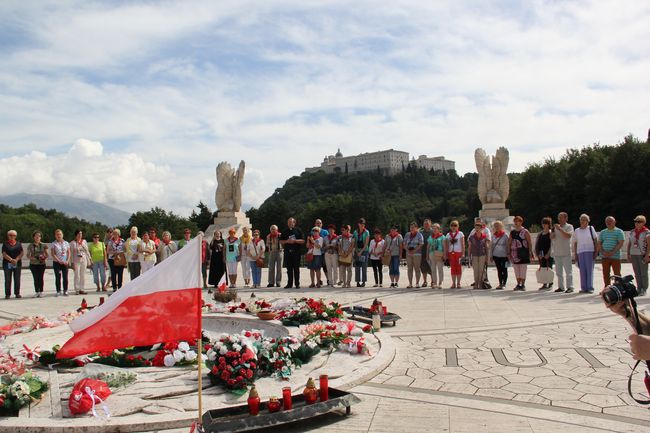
(286, 398)
(324, 387)
(274, 404)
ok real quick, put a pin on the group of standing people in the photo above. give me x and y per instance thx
(426, 251)
(107, 258)
(333, 257)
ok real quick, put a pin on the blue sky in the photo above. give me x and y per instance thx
(135, 103)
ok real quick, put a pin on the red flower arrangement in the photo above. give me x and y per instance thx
(309, 310)
(232, 362)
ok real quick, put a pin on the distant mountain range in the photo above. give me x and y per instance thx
(88, 210)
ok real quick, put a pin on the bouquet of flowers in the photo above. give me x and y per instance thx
(279, 358)
(340, 335)
(27, 324)
(173, 353)
(10, 365)
(17, 391)
(309, 310)
(232, 361)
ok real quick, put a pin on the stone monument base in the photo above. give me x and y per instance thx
(224, 221)
(496, 211)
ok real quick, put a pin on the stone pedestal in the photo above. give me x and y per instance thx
(496, 211)
(225, 220)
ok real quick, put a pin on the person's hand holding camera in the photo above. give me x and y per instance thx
(640, 345)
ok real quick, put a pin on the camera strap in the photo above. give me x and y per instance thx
(646, 378)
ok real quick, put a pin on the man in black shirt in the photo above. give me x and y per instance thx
(292, 241)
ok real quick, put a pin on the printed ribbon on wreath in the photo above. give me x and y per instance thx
(355, 344)
(92, 395)
(31, 354)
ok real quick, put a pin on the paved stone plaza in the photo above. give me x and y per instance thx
(470, 360)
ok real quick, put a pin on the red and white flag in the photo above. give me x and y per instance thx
(161, 305)
(222, 286)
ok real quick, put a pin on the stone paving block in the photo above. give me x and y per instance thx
(490, 382)
(502, 370)
(400, 380)
(477, 374)
(418, 373)
(594, 389)
(536, 372)
(561, 394)
(446, 371)
(496, 393)
(427, 384)
(453, 378)
(531, 398)
(629, 411)
(602, 400)
(573, 404)
(396, 371)
(380, 378)
(618, 385)
(461, 388)
(554, 382)
(522, 388)
(517, 378)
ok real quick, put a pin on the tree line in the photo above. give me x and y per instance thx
(596, 180)
(29, 218)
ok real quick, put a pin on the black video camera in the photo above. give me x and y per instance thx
(621, 290)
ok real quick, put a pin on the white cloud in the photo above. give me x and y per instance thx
(186, 85)
(85, 171)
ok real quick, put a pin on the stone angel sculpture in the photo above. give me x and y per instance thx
(229, 184)
(493, 183)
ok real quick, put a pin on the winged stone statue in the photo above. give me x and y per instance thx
(229, 185)
(493, 183)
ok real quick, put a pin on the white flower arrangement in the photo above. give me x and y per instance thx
(19, 389)
(183, 346)
(169, 361)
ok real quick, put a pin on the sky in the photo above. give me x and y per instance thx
(133, 104)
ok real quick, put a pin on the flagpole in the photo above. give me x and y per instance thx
(200, 343)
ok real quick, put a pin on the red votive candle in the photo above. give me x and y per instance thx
(253, 402)
(101, 300)
(286, 398)
(324, 387)
(274, 404)
(384, 310)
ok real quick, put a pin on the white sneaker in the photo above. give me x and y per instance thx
(65, 293)
(58, 294)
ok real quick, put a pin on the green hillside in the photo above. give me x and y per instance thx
(383, 200)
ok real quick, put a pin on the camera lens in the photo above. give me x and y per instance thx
(612, 296)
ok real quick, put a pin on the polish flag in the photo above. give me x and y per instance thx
(161, 305)
(222, 286)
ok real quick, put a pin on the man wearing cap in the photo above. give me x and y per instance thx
(292, 240)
